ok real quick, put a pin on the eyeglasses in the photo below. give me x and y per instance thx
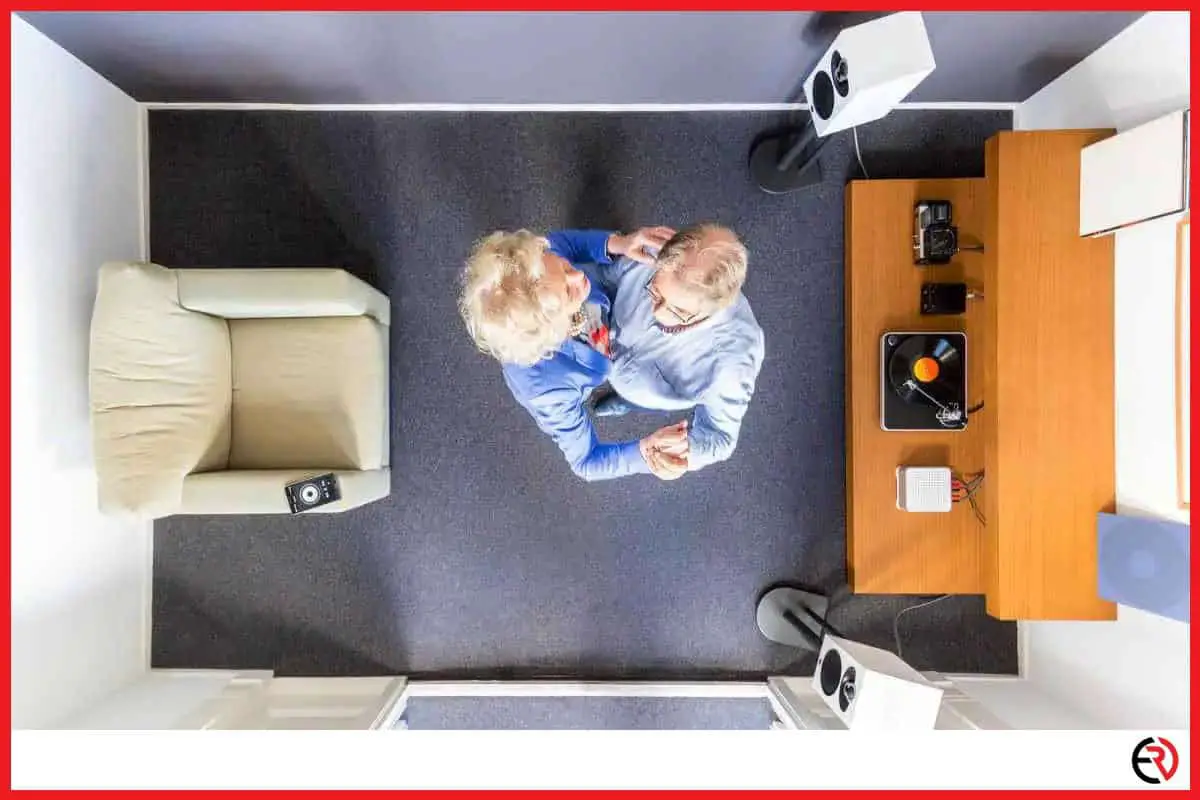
(657, 301)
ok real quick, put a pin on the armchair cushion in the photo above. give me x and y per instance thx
(159, 385)
(309, 394)
(260, 292)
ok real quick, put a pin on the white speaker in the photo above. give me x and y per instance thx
(867, 70)
(872, 689)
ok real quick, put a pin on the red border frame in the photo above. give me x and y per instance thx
(477, 5)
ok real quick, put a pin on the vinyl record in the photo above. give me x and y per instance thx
(925, 369)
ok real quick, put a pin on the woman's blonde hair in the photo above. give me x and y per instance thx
(507, 314)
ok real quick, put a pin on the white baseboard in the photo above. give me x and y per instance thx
(624, 108)
(975, 677)
(606, 108)
(956, 106)
(1024, 648)
(147, 654)
(144, 181)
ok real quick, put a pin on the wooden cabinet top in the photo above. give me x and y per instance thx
(1040, 358)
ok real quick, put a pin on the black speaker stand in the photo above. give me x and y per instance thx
(795, 617)
(786, 160)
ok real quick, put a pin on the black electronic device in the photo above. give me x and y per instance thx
(310, 493)
(923, 381)
(935, 238)
(943, 298)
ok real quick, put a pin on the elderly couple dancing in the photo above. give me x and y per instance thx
(593, 322)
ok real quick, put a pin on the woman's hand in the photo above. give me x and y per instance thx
(666, 451)
(642, 245)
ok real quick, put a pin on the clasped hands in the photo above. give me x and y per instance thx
(666, 451)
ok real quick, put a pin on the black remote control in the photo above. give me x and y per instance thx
(310, 493)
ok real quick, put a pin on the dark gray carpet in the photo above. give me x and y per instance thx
(587, 714)
(490, 559)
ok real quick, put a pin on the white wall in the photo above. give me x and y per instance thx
(1132, 672)
(1023, 704)
(80, 582)
(1140, 74)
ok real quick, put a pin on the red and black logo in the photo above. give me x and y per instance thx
(1155, 759)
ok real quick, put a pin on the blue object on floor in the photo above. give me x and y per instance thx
(1143, 563)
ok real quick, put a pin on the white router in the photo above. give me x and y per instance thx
(924, 489)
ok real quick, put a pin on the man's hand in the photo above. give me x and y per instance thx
(666, 451)
(641, 245)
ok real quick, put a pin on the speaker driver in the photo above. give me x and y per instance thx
(841, 73)
(823, 99)
(846, 689)
(831, 672)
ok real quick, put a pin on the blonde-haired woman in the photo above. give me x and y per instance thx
(539, 306)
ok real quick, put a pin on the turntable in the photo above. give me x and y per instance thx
(923, 381)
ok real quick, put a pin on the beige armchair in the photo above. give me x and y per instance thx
(212, 388)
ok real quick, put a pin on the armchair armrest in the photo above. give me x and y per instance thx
(261, 491)
(254, 293)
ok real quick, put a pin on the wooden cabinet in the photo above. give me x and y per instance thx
(1040, 358)
(1049, 354)
(891, 551)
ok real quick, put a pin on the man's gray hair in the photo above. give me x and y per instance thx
(709, 257)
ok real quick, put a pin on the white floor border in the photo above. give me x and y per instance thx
(144, 180)
(608, 108)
